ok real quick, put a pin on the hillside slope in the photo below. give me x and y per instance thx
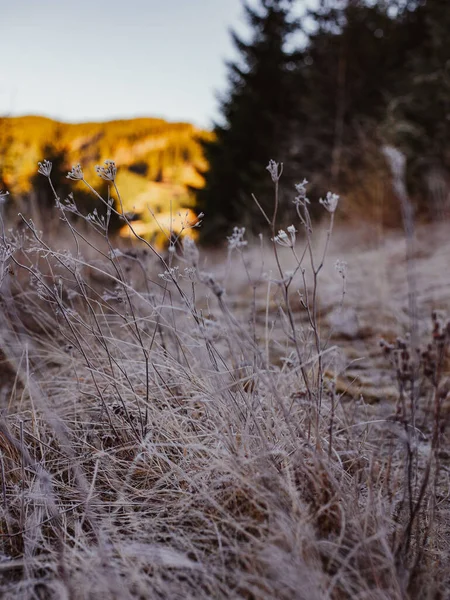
(158, 162)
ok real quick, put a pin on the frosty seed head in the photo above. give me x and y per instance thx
(76, 174)
(45, 168)
(330, 202)
(275, 169)
(108, 172)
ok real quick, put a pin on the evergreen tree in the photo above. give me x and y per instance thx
(421, 113)
(371, 73)
(423, 109)
(354, 62)
(356, 59)
(257, 113)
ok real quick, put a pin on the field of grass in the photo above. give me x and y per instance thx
(224, 424)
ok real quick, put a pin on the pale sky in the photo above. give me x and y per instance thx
(95, 60)
(102, 59)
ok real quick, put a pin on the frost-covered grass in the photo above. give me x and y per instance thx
(183, 425)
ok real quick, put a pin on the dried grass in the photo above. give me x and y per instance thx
(163, 438)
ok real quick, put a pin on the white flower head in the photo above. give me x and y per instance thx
(236, 239)
(341, 268)
(198, 221)
(108, 172)
(45, 168)
(292, 231)
(275, 169)
(171, 275)
(76, 174)
(190, 273)
(330, 202)
(301, 199)
(283, 239)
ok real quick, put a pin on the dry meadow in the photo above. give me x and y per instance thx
(269, 420)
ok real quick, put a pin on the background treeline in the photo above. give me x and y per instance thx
(323, 93)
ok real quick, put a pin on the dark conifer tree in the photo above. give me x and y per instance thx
(421, 114)
(257, 113)
(424, 106)
(356, 57)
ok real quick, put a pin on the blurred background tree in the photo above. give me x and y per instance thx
(419, 117)
(257, 113)
(369, 74)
